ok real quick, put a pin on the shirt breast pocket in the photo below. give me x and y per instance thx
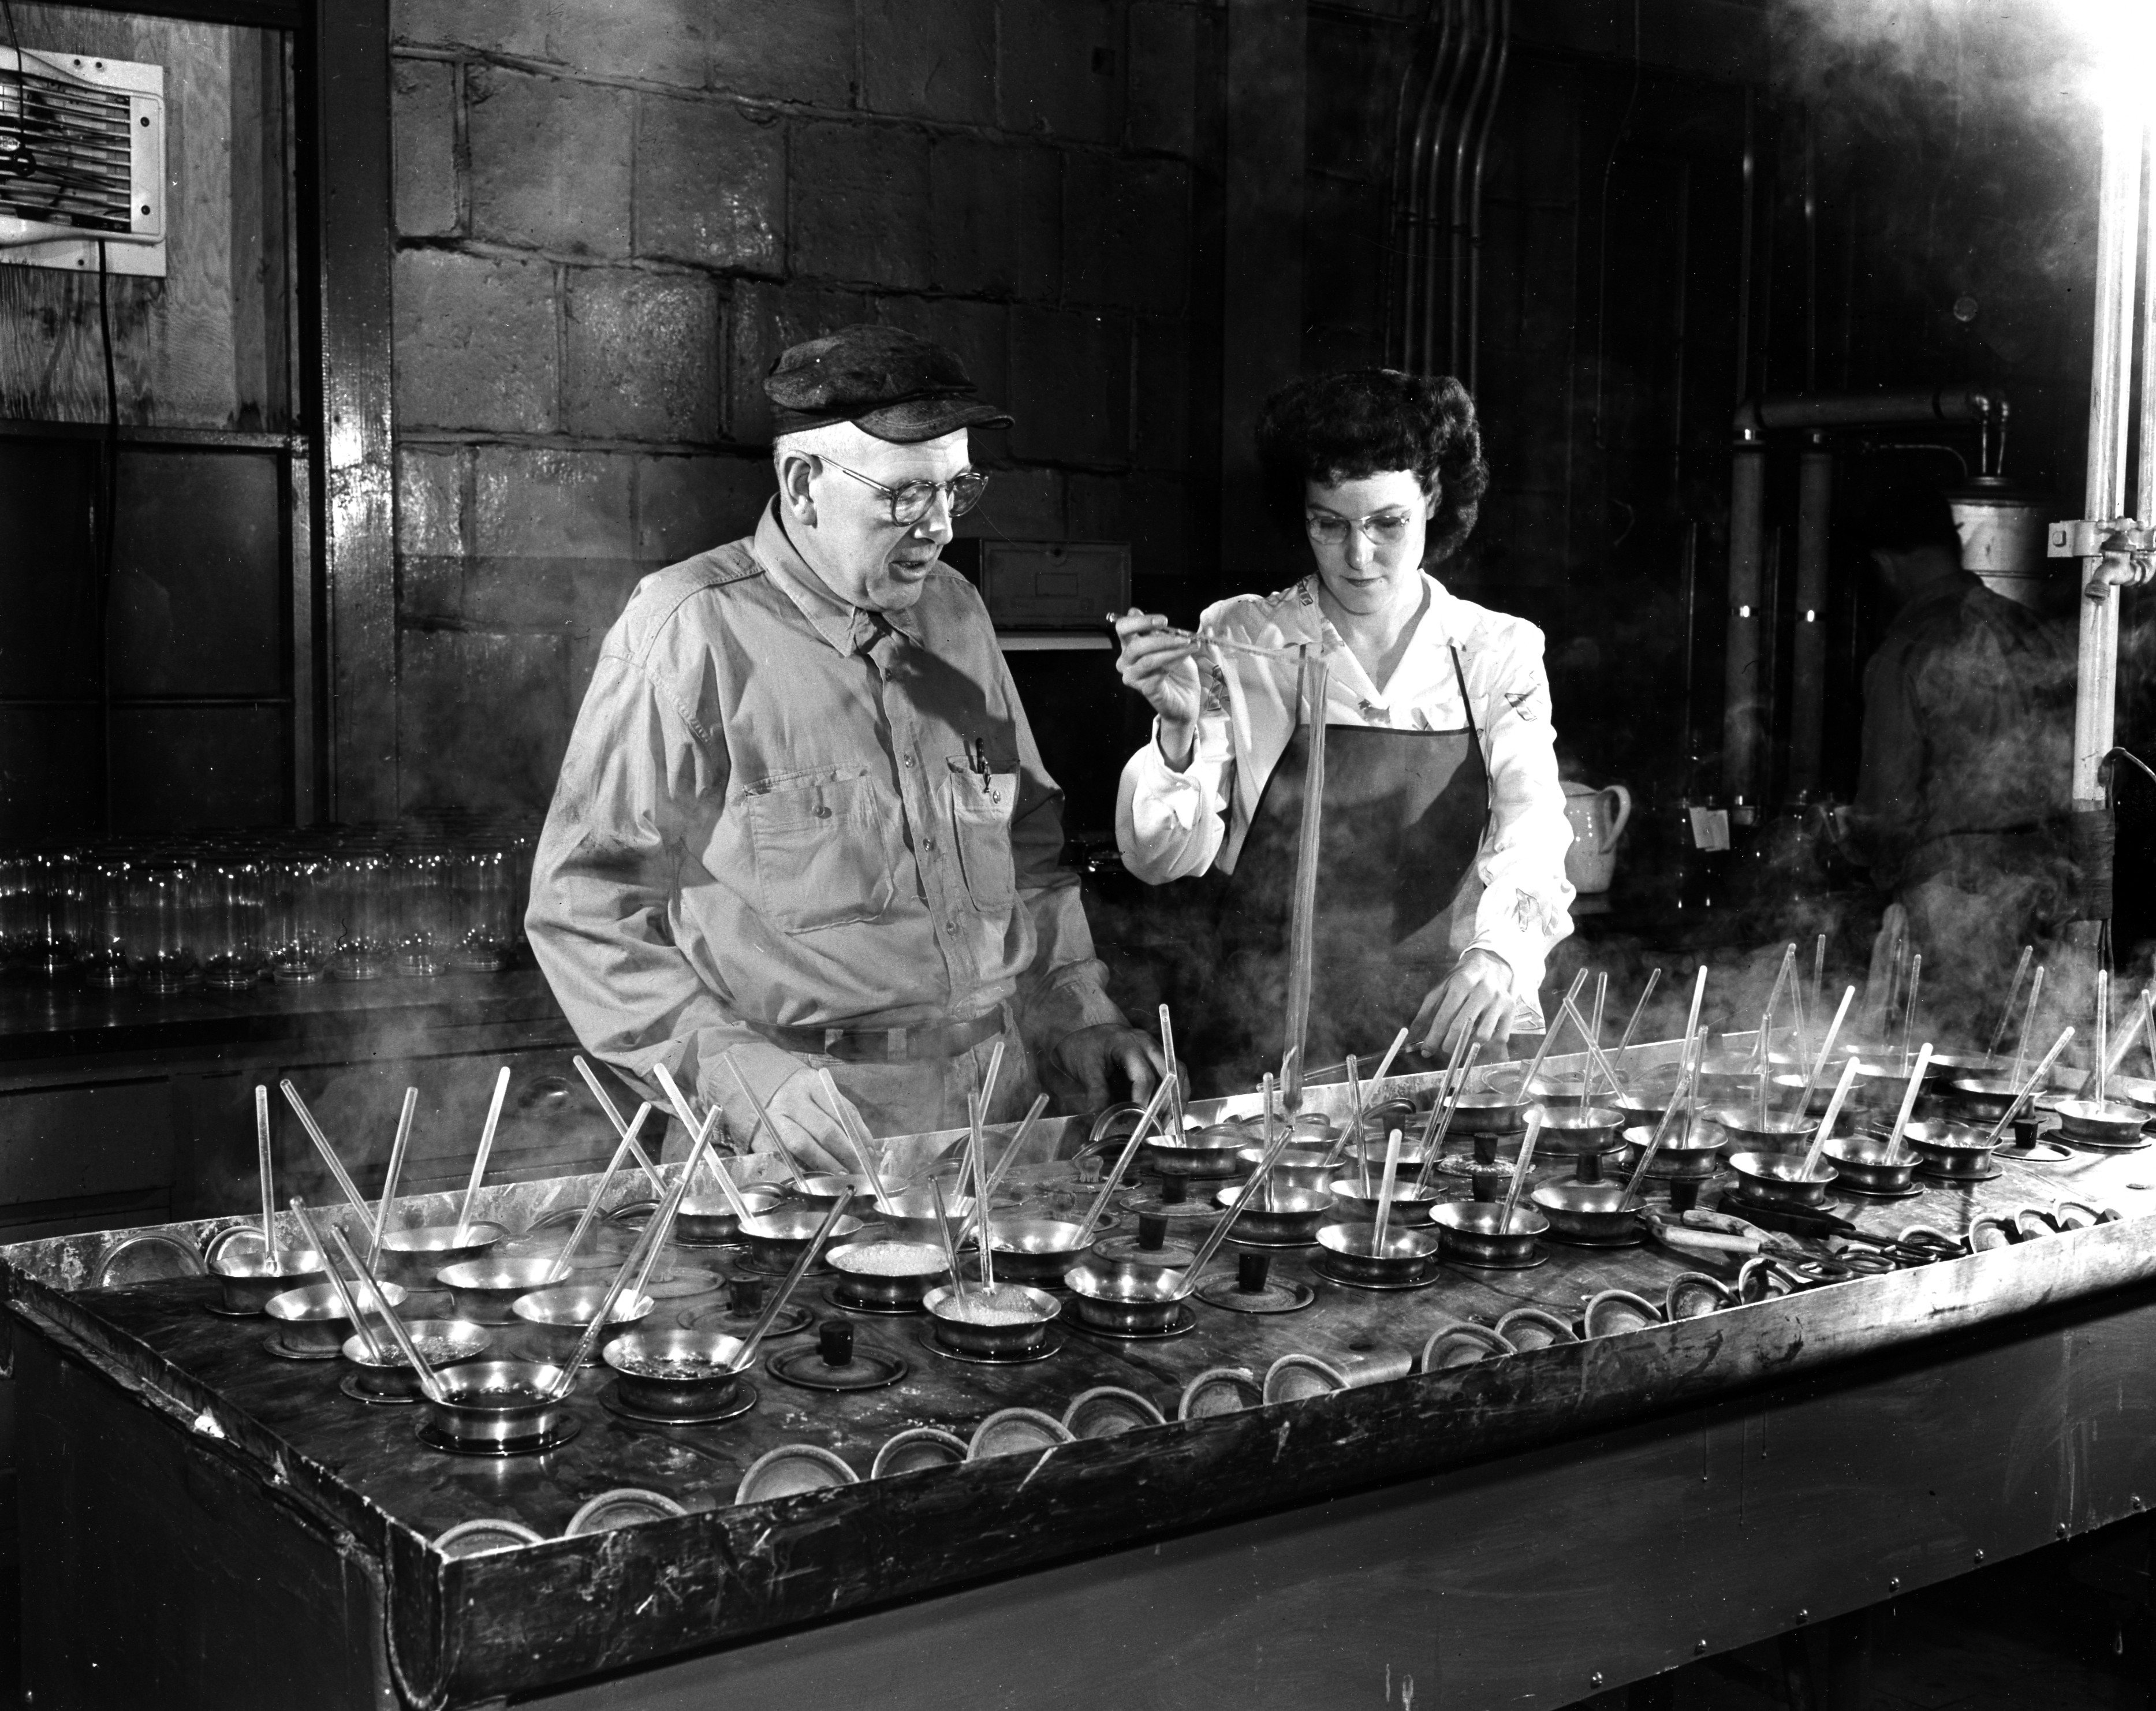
(981, 807)
(821, 847)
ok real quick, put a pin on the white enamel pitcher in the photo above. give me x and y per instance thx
(1598, 820)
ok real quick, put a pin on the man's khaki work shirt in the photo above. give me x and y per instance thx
(777, 807)
(1967, 731)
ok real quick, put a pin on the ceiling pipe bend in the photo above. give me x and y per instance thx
(1908, 407)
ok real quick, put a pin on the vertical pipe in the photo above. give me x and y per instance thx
(1744, 255)
(2119, 209)
(1807, 675)
(1455, 251)
(1504, 28)
(1811, 260)
(1302, 911)
(1747, 553)
(1415, 147)
(1432, 183)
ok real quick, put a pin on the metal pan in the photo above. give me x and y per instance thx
(1126, 1298)
(1412, 1206)
(1600, 1213)
(673, 1372)
(442, 1342)
(964, 1335)
(1311, 1168)
(2112, 1123)
(246, 1282)
(1691, 1152)
(313, 1318)
(485, 1291)
(1199, 1152)
(1407, 1257)
(911, 1215)
(1468, 1233)
(1741, 1131)
(413, 1257)
(821, 1192)
(1283, 1215)
(499, 1405)
(559, 1314)
(1035, 1251)
(1959, 1152)
(1870, 1164)
(1779, 1179)
(709, 1220)
(777, 1239)
(866, 1279)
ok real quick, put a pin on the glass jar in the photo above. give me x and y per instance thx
(366, 914)
(166, 926)
(108, 954)
(300, 930)
(235, 925)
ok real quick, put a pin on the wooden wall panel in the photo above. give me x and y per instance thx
(202, 347)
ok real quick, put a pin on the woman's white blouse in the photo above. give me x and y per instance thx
(1515, 904)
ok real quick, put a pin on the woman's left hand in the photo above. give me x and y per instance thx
(1473, 1002)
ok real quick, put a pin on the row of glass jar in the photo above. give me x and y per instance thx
(230, 913)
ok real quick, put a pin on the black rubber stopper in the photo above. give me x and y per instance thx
(745, 1295)
(1589, 1167)
(1174, 1190)
(1683, 1195)
(834, 1342)
(1486, 1149)
(1251, 1271)
(1152, 1232)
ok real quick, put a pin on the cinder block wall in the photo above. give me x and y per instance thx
(611, 214)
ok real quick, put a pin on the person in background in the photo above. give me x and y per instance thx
(1441, 887)
(1963, 780)
(802, 824)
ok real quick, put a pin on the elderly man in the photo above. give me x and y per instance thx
(1967, 738)
(802, 825)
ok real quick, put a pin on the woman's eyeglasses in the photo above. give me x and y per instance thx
(1381, 528)
(912, 501)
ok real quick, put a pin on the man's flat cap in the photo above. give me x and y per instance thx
(886, 381)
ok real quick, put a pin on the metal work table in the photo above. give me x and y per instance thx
(202, 1521)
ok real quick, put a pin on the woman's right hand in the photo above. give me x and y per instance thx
(1156, 662)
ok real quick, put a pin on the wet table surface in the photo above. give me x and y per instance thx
(374, 1451)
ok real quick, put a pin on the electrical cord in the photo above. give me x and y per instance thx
(109, 507)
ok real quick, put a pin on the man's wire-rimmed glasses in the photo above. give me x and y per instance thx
(911, 500)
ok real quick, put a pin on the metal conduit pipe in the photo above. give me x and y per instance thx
(1455, 231)
(1743, 733)
(1432, 184)
(1419, 81)
(1808, 660)
(1473, 364)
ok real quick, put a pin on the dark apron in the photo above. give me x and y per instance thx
(1404, 813)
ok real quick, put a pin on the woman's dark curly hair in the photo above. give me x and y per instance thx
(1342, 427)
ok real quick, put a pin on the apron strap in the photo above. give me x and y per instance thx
(1467, 706)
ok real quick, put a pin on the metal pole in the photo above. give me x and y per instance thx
(1303, 905)
(1808, 678)
(2118, 219)
(1747, 553)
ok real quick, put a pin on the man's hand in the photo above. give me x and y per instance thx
(808, 1126)
(1473, 1002)
(1086, 1055)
